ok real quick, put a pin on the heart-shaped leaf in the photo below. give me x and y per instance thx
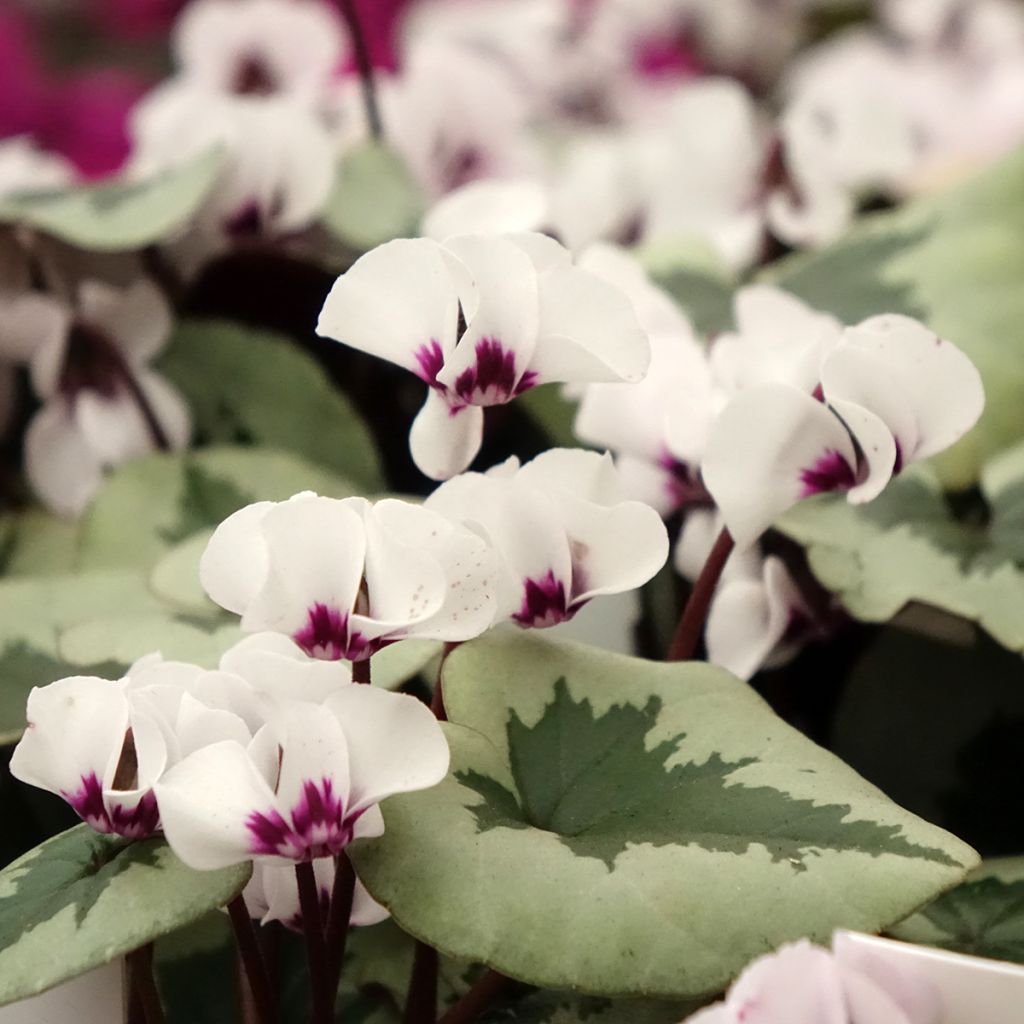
(374, 200)
(120, 214)
(278, 397)
(983, 917)
(907, 545)
(150, 505)
(624, 827)
(82, 899)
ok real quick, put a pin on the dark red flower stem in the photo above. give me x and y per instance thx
(361, 671)
(252, 961)
(144, 998)
(691, 622)
(365, 67)
(316, 948)
(421, 999)
(337, 928)
(489, 988)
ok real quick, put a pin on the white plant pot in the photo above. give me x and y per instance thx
(970, 990)
(93, 998)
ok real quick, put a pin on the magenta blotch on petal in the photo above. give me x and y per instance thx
(493, 379)
(830, 473)
(318, 827)
(88, 803)
(326, 636)
(544, 603)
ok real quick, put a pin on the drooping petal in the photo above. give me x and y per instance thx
(33, 330)
(235, 563)
(445, 438)
(207, 802)
(697, 537)
(395, 745)
(113, 426)
(770, 447)
(398, 302)
(940, 384)
(62, 467)
(588, 331)
(749, 617)
(199, 726)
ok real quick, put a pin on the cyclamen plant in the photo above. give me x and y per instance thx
(448, 542)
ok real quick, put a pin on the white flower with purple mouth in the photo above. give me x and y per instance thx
(480, 321)
(344, 578)
(259, 48)
(892, 392)
(308, 783)
(102, 405)
(562, 531)
(87, 743)
(273, 895)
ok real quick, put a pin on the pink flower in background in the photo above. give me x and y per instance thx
(379, 20)
(22, 83)
(85, 119)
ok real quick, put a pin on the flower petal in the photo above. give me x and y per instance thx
(940, 384)
(770, 447)
(444, 438)
(62, 467)
(396, 302)
(498, 292)
(76, 727)
(205, 802)
(469, 570)
(136, 318)
(276, 665)
(235, 563)
(588, 331)
(488, 207)
(749, 618)
(395, 745)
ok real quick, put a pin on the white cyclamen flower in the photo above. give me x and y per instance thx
(308, 783)
(344, 578)
(102, 405)
(86, 742)
(481, 320)
(562, 530)
(893, 392)
(259, 47)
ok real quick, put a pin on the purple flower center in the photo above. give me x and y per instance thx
(318, 826)
(326, 636)
(544, 603)
(492, 381)
(138, 822)
(830, 473)
(683, 483)
(253, 77)
(431, 360)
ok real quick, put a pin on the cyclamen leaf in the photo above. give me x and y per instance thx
(954, 260)
(374, 200)
(150, 504)
(277, 396)
(982, 917)
(119, 214)
(627, 828)
(907, 546)
(81, 900)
